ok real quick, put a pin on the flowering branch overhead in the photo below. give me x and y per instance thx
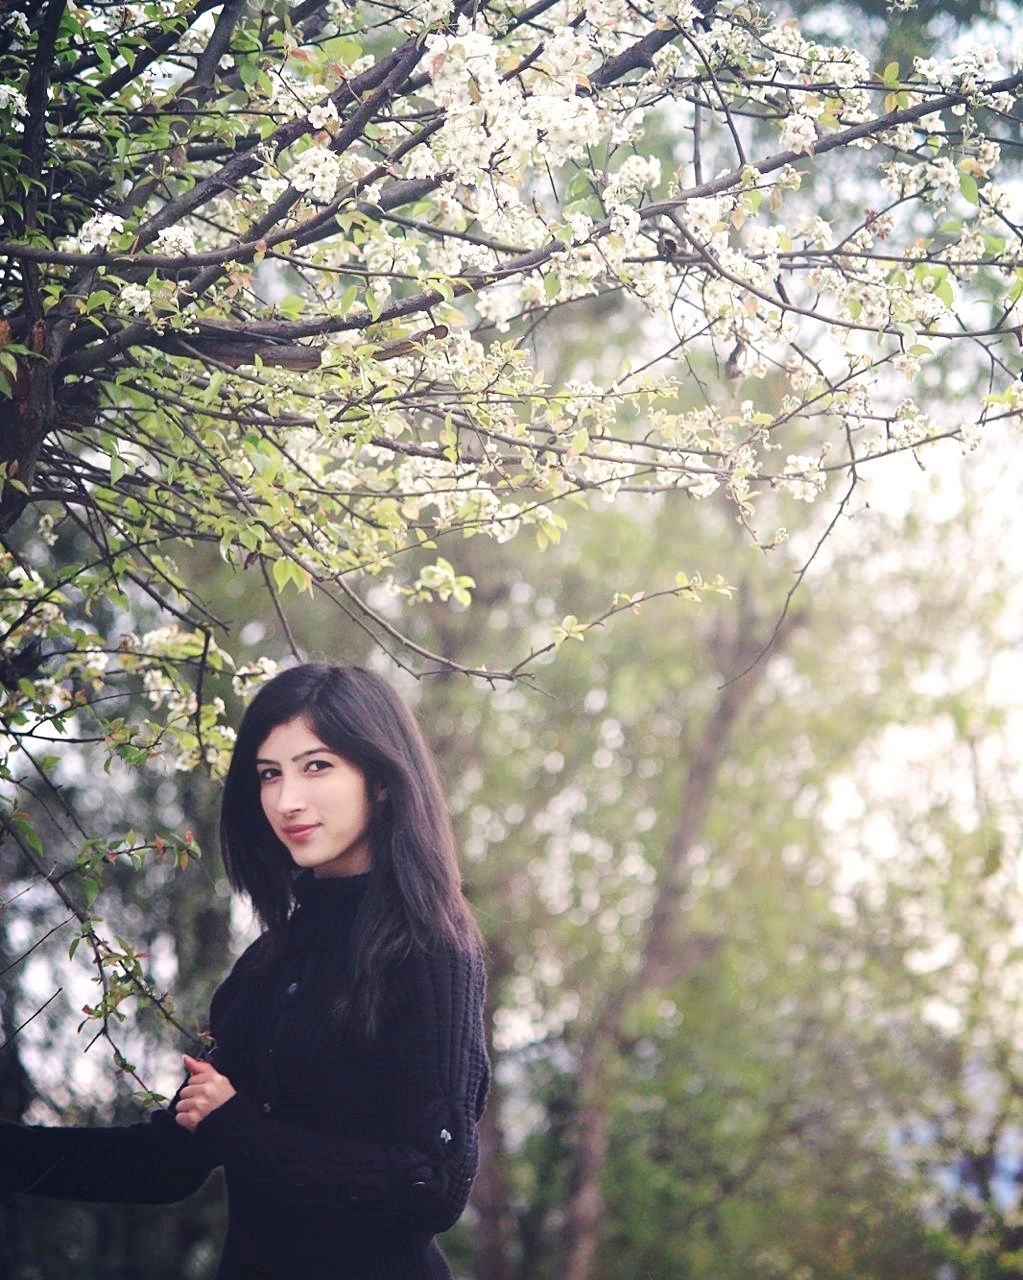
(291, 282)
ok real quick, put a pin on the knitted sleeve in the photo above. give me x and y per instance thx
(155, 1162)
(419, 1174)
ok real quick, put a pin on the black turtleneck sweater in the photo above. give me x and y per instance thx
(342, 1160)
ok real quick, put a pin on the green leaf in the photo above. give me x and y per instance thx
(968, 188)
(570, 628)
(287, 571)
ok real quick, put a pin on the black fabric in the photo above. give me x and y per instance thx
(342, 1161)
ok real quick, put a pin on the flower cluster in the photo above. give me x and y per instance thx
(799, 133)
(962, 72)
(537, 182)
(26, 603)
(802, 477)
(250, 676)
(96, 233)
(316, 173)
(323, 115)
(293, 96)
(16, 24)
(175, 242)
(12, 100)
(495, 124)
(136, 298)
(420, 14)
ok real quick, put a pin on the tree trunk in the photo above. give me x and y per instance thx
(490, 1193)
(490, 1196)
(664, 958)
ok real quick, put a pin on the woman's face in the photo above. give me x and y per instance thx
(315, 800)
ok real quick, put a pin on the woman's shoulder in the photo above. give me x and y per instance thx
(252, 960)
(439, 969)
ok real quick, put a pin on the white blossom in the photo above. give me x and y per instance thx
(568, 126)
(566, 55)
(943, 179)
(705, 486)
(323, 115)
(425, 13)
(12, 100)
(271, 189)
(175, 242)
(842, 67)
(802, 477)
(45, 529)
(636, 175)
(683, 11)
(580, 225)
(317, 173)
(421, 163)
(293, 96)
(98, 232)
(135, 298)
(799, 133)
(17, 24)
(251, 675)
(910, 425)
(907, 365)
(462, 61)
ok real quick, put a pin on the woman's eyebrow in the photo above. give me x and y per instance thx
(312, 751)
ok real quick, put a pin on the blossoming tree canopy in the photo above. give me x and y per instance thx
(283, 278)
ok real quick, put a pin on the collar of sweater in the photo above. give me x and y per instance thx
(325, 909)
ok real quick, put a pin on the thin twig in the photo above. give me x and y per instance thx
(28, 1020)
(800, 575)
(38, 943)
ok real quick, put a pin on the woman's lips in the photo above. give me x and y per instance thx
(299, 833)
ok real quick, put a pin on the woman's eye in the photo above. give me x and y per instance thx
(317, 766)
(266, 775)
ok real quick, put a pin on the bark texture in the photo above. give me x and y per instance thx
(666, 955)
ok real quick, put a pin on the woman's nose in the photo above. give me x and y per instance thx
(289, 796)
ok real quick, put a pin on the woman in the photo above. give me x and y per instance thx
(348, 1067)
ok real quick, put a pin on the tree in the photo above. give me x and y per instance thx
(745, 1087)
(260, 258)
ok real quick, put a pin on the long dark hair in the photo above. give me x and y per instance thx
(414, 898)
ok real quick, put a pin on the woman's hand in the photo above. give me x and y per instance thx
(206, 1090)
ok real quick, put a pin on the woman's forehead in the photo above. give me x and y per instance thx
(291, 738)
